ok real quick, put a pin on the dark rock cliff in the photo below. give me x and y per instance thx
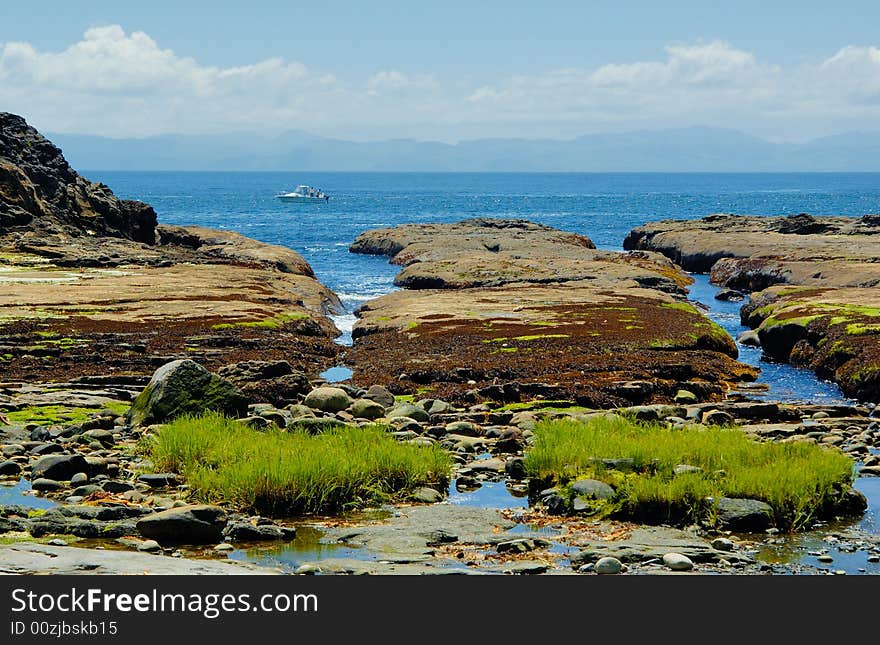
(39, 190)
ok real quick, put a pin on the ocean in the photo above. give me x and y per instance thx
(602, 206)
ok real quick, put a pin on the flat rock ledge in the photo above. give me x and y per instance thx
(28, 558)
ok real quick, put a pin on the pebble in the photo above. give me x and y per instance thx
(825, 558)
(79, 478)
(43, 484)
(678, 562)
(722, 544)
(149, 546)
(224, 546)
(608, 566)
(56, 542)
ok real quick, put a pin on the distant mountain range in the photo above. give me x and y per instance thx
(697, 149)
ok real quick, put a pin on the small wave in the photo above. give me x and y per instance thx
(344, 323)
(358, 297)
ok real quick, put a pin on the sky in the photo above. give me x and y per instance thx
(784, 71)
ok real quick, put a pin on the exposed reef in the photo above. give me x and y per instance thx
(507, 310)
(814, 302)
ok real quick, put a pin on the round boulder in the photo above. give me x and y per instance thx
(366, 409)
(408, 410)
(678, 562)
(328, 399)
(608, 566)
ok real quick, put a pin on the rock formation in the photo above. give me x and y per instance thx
(814, 280)
(507, 310)
(93, 287)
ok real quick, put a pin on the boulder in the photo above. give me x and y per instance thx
(678, 562)
(748, 515)
(685, 397)
(410, 411)
(749, 338)
(608, 566)
(366, 409)
(464, 428)
(193, 524)
(729, 295)
(510, 440)
(59, 467)
(9, 468)
(380, 395)
(79, 479)
(427, 495)
(722, 544)
(46, 485)
(184, 387)
(247, 532)
(273, 381)
(592, 489)
(717, 418)
(314, 425)
(158, 480)
(328, 399)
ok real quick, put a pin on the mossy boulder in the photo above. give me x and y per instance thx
(185, 387)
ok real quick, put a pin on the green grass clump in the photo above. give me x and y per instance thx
(292, 473)
(798, 480)
(681, 306)
(539, 336)
(861, 329)
(275, 322)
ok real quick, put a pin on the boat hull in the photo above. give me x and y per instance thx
(300, 198)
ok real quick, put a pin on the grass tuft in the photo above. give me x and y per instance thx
(798, 480)
(291, 473)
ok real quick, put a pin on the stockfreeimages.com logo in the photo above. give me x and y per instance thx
(209, 606)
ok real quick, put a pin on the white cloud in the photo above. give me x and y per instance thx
(392, 80)
(125, 84)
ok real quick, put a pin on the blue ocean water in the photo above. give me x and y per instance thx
(603, 206)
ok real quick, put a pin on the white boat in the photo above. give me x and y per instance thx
(304, 193)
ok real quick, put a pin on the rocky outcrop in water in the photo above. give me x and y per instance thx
(506, 311)
(815, 301)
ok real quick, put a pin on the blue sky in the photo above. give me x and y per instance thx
(450, 70)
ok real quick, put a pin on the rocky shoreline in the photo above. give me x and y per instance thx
(811, 281)
(112, 326)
